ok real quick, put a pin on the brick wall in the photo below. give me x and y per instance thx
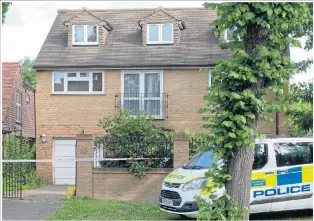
(27, 123)
(123, 185)
(119, 183)
(67, 115)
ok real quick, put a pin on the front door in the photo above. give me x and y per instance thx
(294, 175)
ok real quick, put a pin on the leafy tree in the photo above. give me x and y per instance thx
(307, 31)
(130, 137)
(28, 72)
(258, 65)
(5, 8)
(300, 110)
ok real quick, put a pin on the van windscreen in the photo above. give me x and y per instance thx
(202, 160)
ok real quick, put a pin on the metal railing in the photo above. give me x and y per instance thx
(156, 154)
(153, 104)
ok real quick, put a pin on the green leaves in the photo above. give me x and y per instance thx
(228, 124)
(5, 8)
(28, 72)
(134, 137)
(239, 119)
(257, 67)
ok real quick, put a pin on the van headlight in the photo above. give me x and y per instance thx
(195, 184)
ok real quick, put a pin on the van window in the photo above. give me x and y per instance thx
(290, 154)
(260, 157)
(202, 160)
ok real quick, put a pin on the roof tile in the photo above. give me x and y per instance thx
(198, 44)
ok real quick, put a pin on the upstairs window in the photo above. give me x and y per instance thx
(85, 35)
(159, 33)
(82, 82)
(228, 34)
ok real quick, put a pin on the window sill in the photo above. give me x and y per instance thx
(18, 122)
(161, 119)
(159, 44)
(85, 44)
(84, 94)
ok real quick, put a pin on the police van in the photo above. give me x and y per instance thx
(282, 179)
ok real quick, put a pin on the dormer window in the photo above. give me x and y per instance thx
(85, 35)
(160, 34)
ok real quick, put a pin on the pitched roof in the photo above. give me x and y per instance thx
(123, 49)
(108, 25)
(9, 72)
(165, 12)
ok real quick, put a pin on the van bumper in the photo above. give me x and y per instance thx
(187, 214)
(189, 208)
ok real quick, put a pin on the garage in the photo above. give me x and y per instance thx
(64, 165)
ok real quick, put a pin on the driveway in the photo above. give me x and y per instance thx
(36, 204)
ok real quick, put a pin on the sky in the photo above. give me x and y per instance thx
(28, 23)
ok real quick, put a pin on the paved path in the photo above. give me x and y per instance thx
(36, 204)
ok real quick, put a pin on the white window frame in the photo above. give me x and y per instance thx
(226, 36)
(210, 77)
(18, 106)
(85, 42)
(141, 74)
(160, 41)
(90, 79)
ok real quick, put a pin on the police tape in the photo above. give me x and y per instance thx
(77, 160)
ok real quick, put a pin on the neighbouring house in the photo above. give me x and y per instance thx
(94, 63)
(18, 102)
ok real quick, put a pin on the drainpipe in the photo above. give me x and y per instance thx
(35, 111)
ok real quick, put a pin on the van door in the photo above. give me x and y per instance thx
(263, 177)
(294, 175)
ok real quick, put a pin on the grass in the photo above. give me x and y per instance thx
(94, 209)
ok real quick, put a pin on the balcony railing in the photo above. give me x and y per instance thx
(153, 104)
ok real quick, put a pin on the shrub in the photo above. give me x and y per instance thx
(135, 137)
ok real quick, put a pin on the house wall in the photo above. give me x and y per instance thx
(66, 115)
(27, 123)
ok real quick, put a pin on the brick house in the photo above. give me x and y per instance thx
(18, 101)
(94, 63)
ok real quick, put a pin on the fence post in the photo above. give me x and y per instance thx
(84, 170)
(180, 151)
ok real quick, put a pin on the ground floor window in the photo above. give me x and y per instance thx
(78, 82)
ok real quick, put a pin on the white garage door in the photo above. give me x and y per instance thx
(64, 171)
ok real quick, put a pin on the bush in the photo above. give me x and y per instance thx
(17, 148)
(135, 137)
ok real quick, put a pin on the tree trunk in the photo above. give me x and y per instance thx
(240, 168)
(240, 165)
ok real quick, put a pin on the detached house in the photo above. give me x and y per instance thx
(94, 63)
(18, 102)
